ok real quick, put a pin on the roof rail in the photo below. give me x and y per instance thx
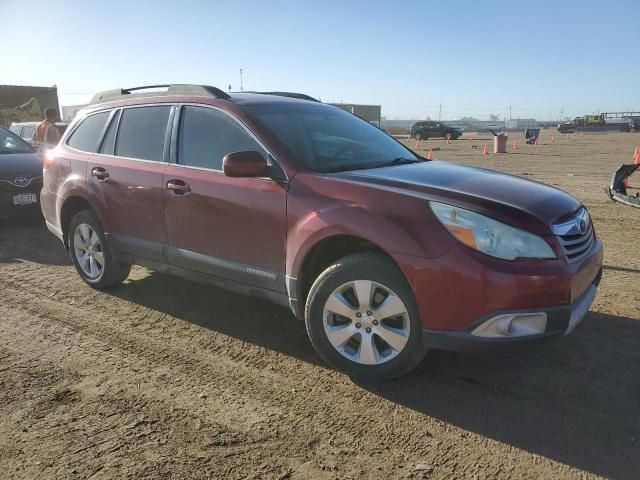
(299, 96)
(171, 89)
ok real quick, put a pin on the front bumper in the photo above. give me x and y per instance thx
(7, 192)
(560, 320)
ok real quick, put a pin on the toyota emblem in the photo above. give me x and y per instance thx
(20, 181)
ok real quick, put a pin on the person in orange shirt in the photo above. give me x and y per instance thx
(46, 131)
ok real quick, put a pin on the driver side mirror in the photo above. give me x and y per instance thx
(246, 164)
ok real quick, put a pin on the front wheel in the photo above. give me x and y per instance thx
(92, 254)
(362, 318)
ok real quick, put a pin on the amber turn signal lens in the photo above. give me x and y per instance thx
(465, 235)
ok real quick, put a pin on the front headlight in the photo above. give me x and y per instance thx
(490, 236)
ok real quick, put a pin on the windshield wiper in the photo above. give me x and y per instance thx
(403, 161)
(366, 166)
(346, 168)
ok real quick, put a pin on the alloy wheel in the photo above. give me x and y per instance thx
(88, 251)
(366, 322)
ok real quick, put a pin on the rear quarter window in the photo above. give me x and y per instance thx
(86, 135)
(27, 132)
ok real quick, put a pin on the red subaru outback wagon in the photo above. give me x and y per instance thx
(382, 253)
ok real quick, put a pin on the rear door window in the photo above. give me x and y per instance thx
(142, 132)
(86, 135)
(207, 135)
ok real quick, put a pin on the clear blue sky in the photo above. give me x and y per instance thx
(474, 57)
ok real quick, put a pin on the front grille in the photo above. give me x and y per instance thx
(576, 235)
(19, 181)
(576, 246)
(8, 190)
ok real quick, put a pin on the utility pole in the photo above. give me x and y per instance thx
(241, 87)
(509, 112)
(440, 112)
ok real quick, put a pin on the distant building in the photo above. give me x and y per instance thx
(12, 96)
(521, 123)
(19, 103)
(70, 111)
(371, 113)
(398, 124)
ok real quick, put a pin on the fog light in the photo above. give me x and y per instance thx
(512, 325)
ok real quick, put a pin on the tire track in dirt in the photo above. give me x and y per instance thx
(124, 336)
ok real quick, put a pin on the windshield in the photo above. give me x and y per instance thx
(327, 139)
(12, 143)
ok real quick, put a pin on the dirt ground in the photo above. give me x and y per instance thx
(163, 378)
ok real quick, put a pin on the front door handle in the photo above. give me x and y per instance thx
(179, 187)
(100, 173)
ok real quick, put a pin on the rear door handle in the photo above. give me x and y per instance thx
(179, 187)
(100, 173)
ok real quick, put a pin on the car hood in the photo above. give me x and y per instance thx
(20, 164)
(508, 198)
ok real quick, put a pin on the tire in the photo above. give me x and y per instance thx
(382, 274)
(86, 224)
(418, 136)
(448, 136)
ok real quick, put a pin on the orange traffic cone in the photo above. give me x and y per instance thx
(448, 141)
(417, 143)
(430, 155)
(535, 142)
(515, 145)
(553, 139)
(567, 136)
(471, 138)
(485, 149)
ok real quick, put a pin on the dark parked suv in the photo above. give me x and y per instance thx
(429, 129)
(381, 253)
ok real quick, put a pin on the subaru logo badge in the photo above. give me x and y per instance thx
(583, 225)
(20, 181)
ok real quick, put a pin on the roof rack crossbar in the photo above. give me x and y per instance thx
(146, 87)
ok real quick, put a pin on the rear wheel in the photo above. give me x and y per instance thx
(92, 254)
(362, 318)
(418, 136)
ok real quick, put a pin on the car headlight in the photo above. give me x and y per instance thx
(490, 236)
